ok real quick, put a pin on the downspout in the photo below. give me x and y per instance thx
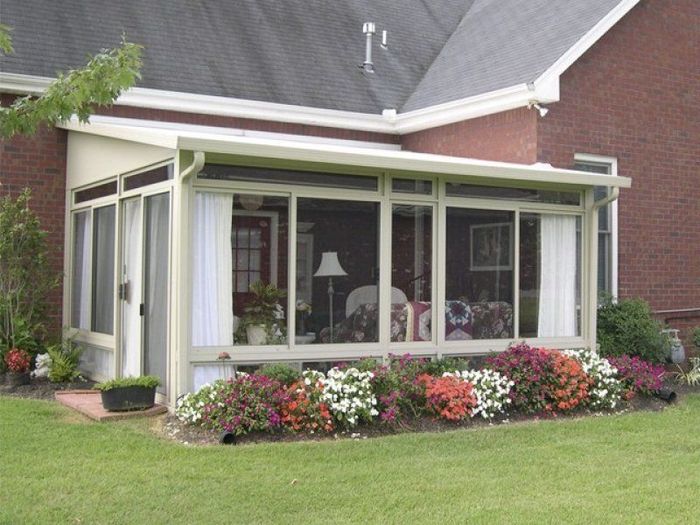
(614, 194)
(194, 168)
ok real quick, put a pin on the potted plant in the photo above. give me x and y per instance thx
(264, 315)
(18, 363)
(128, 393)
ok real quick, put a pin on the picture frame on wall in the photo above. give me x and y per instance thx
(491, 247)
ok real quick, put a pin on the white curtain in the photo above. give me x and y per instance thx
(212, 286)
(205, 374)
(557, 312)
(131, 274)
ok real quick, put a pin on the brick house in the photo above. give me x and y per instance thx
(454, 192)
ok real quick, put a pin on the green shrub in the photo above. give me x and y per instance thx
(696, 337)
(65, 358)
(446, 364)
(145, 381)
(280, 372)
(628, 328)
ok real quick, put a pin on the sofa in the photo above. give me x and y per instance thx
(411, 321)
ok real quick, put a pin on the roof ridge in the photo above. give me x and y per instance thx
(437, 55)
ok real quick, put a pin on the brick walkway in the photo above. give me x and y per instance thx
(89, 403)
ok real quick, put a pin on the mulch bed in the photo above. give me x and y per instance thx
(42, 388)
(171, 428)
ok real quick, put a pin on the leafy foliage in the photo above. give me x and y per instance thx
(448, 397)
(637, 375)
(305, 411)
(18, 361)
(281, 372)
(25, 276)
(446, 364)
(691, 376)
(606, 390)
(628, 328)
(99, 83)
(65, 358)
(696, 337)
(122, 382)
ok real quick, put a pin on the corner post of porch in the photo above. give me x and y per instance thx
(590, 282)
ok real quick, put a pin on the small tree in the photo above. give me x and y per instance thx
(25, 277)
(99, 83)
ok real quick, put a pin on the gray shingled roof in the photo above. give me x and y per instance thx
(306, 52)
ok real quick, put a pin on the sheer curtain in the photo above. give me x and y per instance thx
(103, 270)
(557, 310)
(212, 286)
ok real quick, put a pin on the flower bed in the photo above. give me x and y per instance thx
(521, 382)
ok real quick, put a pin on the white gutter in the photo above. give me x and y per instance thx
(389, 122)
(194, 168)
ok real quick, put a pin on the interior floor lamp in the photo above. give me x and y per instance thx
(330, 267)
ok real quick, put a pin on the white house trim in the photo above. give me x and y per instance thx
(289, 150)
(614, 235)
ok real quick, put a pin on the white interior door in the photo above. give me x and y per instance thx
(131, 286)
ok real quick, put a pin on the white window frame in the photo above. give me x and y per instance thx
(612, 165)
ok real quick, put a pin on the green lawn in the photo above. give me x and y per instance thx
(635, 468)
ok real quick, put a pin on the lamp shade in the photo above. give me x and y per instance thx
(330, 266)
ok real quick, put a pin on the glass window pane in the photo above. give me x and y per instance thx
(479, 274)
(103, 270)
(550, 291)
(80, 279)
(515, 194)
(416, 186)
(261, 224)
(411, 277)
(103, 190)
(145, 178)
(278, 176)
(341, 238)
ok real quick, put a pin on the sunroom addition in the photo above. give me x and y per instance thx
(280, 248)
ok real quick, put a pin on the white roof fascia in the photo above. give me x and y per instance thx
(234, 144)
(584, 43)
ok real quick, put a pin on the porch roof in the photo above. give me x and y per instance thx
(244, 143)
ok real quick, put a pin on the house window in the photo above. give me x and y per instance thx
(411, 273)
(607, 222)
(80, 275)
(341, 237)
(92, 273)
(550, 285)
(103, 270)
(479, 287)
(240, 244)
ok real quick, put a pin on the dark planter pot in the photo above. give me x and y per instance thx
(128, 398)
(14, 379)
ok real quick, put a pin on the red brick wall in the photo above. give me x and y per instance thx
(39, 162)
(510, 136)
(635, 95)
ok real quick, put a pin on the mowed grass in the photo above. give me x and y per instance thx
(635, 468)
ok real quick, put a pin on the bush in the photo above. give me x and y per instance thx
(398, 390)
(491, 390)
(348, 394)
(25, 276)
(17, 361)
(448, 397)
(696, 337)
(628, 328)
(638, 376)
(445, 365)
(544, 380)
(64, 361)
(246, 403)
(304, 411)
(281, 372)
(606, 390)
